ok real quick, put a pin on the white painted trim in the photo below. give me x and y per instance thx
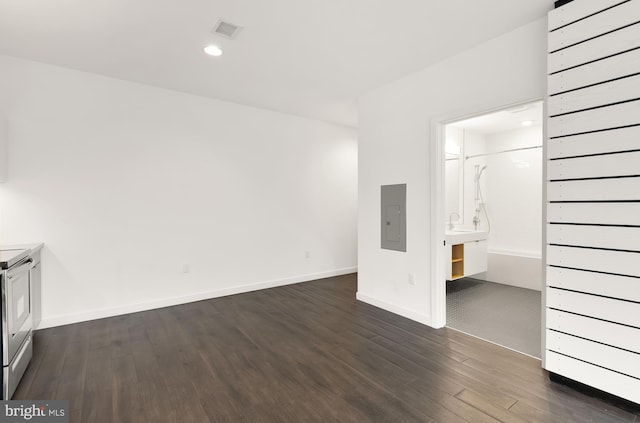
(393, 308)
(168, 302)
(438, 254)
(437, 203)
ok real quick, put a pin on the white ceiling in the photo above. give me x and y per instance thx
(307, 57)
(503, 120)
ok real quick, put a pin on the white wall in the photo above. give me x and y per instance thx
(3, 149)
(514, 205)
(394, 147)
(126, 183)
(514, 202)
(512, 190)
(460, 186)
(474, 144)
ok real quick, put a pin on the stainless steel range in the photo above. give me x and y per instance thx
(16, 313)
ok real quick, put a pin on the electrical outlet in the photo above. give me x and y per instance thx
(412, 280)
(186, 268)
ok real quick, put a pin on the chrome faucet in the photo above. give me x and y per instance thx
(451, 219)
(476, 220)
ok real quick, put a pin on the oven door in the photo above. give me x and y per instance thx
(16, 309)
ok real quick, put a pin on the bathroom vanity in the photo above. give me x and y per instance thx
(466, 253)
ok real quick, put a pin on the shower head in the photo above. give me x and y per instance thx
(481, 170)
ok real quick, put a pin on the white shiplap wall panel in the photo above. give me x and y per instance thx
(595, 190)
(616, 262)
(609, 237)
(615, 116)
(595, 283)
(594, 213)
(596, 49)
(589, 374)
(597, 72)
(611, 310)
(620, 164)
(570, 13)
(613, 92)
(624, 139)
(609, 20)
(611, 358)
(619, 336)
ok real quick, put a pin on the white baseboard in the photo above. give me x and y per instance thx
(393, 308)
(67, 319)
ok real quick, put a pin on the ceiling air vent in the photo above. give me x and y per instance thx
(226, 29)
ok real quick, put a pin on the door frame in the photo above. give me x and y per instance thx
(437, 208)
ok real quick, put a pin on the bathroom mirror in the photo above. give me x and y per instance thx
(454, 175)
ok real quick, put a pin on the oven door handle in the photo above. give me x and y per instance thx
(24, 267)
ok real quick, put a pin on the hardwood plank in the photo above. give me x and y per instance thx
(307, 352)
(529, 413)
(420, 390)
(127, 403)
(478, 401)
(97, 405)
(45, 381)
(446, 380)
(119, 339)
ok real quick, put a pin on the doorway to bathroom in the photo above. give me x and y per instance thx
(493, 231)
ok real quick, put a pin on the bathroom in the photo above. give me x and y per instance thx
(493, 184)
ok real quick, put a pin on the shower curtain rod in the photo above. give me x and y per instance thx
(503, 151)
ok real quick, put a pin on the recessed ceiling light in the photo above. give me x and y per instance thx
(526, 123)
(213, 50)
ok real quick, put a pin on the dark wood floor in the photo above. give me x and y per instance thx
(301, 353)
